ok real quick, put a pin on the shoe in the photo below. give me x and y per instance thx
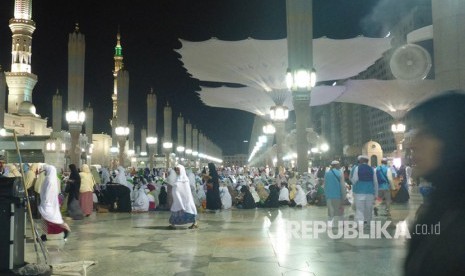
(66, 234)
(171, 227)
(376, 211)
(43, 237)
(193, 226)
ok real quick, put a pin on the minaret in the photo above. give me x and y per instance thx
(2, 98)
(76, 60)
(75, 116)
(89, 123)
(180, 128)
(20, 80)
(152, 120)
(57, 112)
(118, 65)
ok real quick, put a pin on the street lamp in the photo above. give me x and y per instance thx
(279, 113)
(269, 129)
(75, 120)
(167, 145)
(398, 129)
(151, 141)
(300, 79)
(122, 133)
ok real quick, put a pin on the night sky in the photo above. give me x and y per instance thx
(150, 31)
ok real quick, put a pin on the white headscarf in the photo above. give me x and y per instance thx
(300, 198)
(121, 178)
(182, 196)
(49, 206)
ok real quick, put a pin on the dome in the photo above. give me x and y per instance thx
(26, 108)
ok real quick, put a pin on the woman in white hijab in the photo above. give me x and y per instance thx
(183, 209)
(226, 199)
(141, 200)
(121, 178)
(300, 198)
(49, 206)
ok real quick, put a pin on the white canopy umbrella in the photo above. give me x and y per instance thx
(395, 97)
(262, 64)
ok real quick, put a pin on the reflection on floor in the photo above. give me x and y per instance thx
(231, 242)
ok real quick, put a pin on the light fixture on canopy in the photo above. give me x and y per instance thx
(279, 113)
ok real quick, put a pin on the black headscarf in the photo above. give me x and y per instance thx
(444, 119)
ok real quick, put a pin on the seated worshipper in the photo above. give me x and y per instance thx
(86, 191)
(163, 199)
(226, 200)
(233, 193)
(284, 195)
(49, 206)
(105, 176)
(262, 193)
(246, 200)
(272, 201)
(141, 200)
(183, 209)
(118, 194)
(73, 186)
(300, 199)
(254, 193)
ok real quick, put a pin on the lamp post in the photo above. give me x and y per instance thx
(152, 142)
(75, 120)
(301, 76)
(122, 133)
(399, 130)
(279, 115)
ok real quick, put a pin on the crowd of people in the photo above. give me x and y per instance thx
(438, 149)
(81, 191)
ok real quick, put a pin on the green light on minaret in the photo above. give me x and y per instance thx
(118, 51)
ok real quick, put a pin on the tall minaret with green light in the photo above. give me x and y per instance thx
(20, 80)
(118, 66)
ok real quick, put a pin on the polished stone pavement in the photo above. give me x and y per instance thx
(230, 242)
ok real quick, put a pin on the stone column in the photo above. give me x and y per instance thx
(449, 43)
(57, 112)
(279, 143)
(300, 56)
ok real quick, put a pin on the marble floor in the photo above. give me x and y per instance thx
(230, 242)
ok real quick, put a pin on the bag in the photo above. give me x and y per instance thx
(103, 208)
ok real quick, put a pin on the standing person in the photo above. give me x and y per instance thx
(213, 189)
(49, 206)
(365, 190)
(438, 148)
(334, 192)
(86, 190)
(73, 187)
(30, 182)
(384, 177)
(183, 209)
